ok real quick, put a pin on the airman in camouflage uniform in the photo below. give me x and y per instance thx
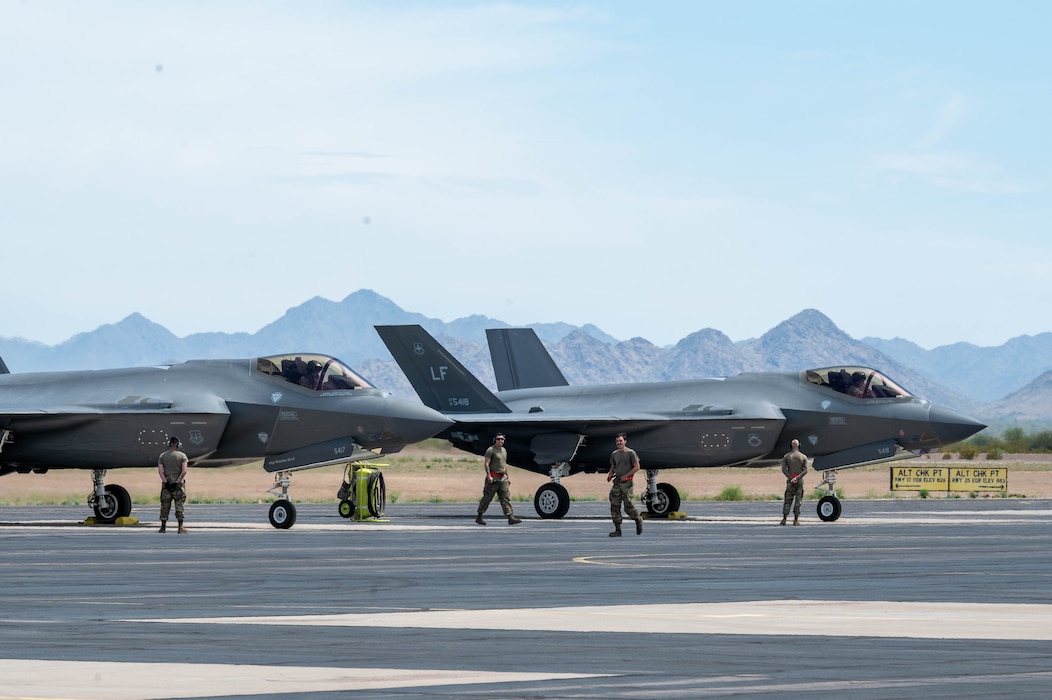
(624, 463)
(495, 462)
(171, 466)
(794, 466)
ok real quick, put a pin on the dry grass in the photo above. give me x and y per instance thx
(433, 471)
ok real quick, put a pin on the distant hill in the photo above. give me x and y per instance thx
(963, 377)
(1028, 407)
(985, 374)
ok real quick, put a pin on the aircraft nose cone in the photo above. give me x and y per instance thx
(408, 422)
(950, 427)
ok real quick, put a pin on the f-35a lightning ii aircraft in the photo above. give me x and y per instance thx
(746, 420)
(293, 412)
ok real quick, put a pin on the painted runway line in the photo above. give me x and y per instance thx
(92, 680)
(831, 618)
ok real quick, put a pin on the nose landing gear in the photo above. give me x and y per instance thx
(828, 505)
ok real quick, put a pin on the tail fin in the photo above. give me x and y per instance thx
(3, 367)
(438, 378)
(520, 360)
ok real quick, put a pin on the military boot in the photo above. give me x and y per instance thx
(164, 523)
(796, 520)
(617, 530)
(182, 530)
(783, 520)
(639, 525)
(479, 520)
(512, 520)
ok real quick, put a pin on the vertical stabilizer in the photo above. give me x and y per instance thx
(438, 378)
(3, 367)
(520, 360)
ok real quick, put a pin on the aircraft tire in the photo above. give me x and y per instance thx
(115, 503)
(828, 508)
(552, 501)
(124, 501)
(666, 501)
(282, 514)
(346, 508)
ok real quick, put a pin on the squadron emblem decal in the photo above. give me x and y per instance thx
(418, 348)
(196, 437)
(276, 396)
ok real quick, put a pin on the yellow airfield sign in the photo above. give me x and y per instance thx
(978, 478)
(949, 478)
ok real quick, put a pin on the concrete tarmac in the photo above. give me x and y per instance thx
(904, 598)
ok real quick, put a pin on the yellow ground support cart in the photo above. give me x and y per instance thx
(363, 494)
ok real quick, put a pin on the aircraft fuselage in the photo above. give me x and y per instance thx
(748, 419)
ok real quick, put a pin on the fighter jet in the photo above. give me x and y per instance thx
(292, 412)
(843, 416)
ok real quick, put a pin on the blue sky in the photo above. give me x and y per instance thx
(653, 168)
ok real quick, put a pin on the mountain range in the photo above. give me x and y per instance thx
(1008, 385)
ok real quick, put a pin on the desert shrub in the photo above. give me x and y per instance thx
(994, 454)
(968, 451)
(1041, 442)
(1015, 440)
(731, 493)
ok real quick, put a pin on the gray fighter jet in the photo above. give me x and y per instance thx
(291, 412)
(843, 416)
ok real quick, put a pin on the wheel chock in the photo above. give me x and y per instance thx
(125, 520)
(677, 515)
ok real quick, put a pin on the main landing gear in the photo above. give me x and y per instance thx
(828, 505)
(108, 502)
(552, 501)
(660, 499)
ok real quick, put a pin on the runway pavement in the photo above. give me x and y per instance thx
(904, 598)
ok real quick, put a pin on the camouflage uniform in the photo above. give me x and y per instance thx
(621, 462)
(171, 463)
(497, 483)
(793, 464)
(173, 492)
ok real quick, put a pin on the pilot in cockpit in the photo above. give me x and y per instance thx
(858, 385)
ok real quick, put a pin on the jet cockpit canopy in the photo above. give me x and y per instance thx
(315, 372)
(859, 382)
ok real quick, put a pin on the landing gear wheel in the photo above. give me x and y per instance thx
(665, 501)
(828, 508)
(114, 503)
(283, 514)
(346, 508)
(123, 499)
(551, 501)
